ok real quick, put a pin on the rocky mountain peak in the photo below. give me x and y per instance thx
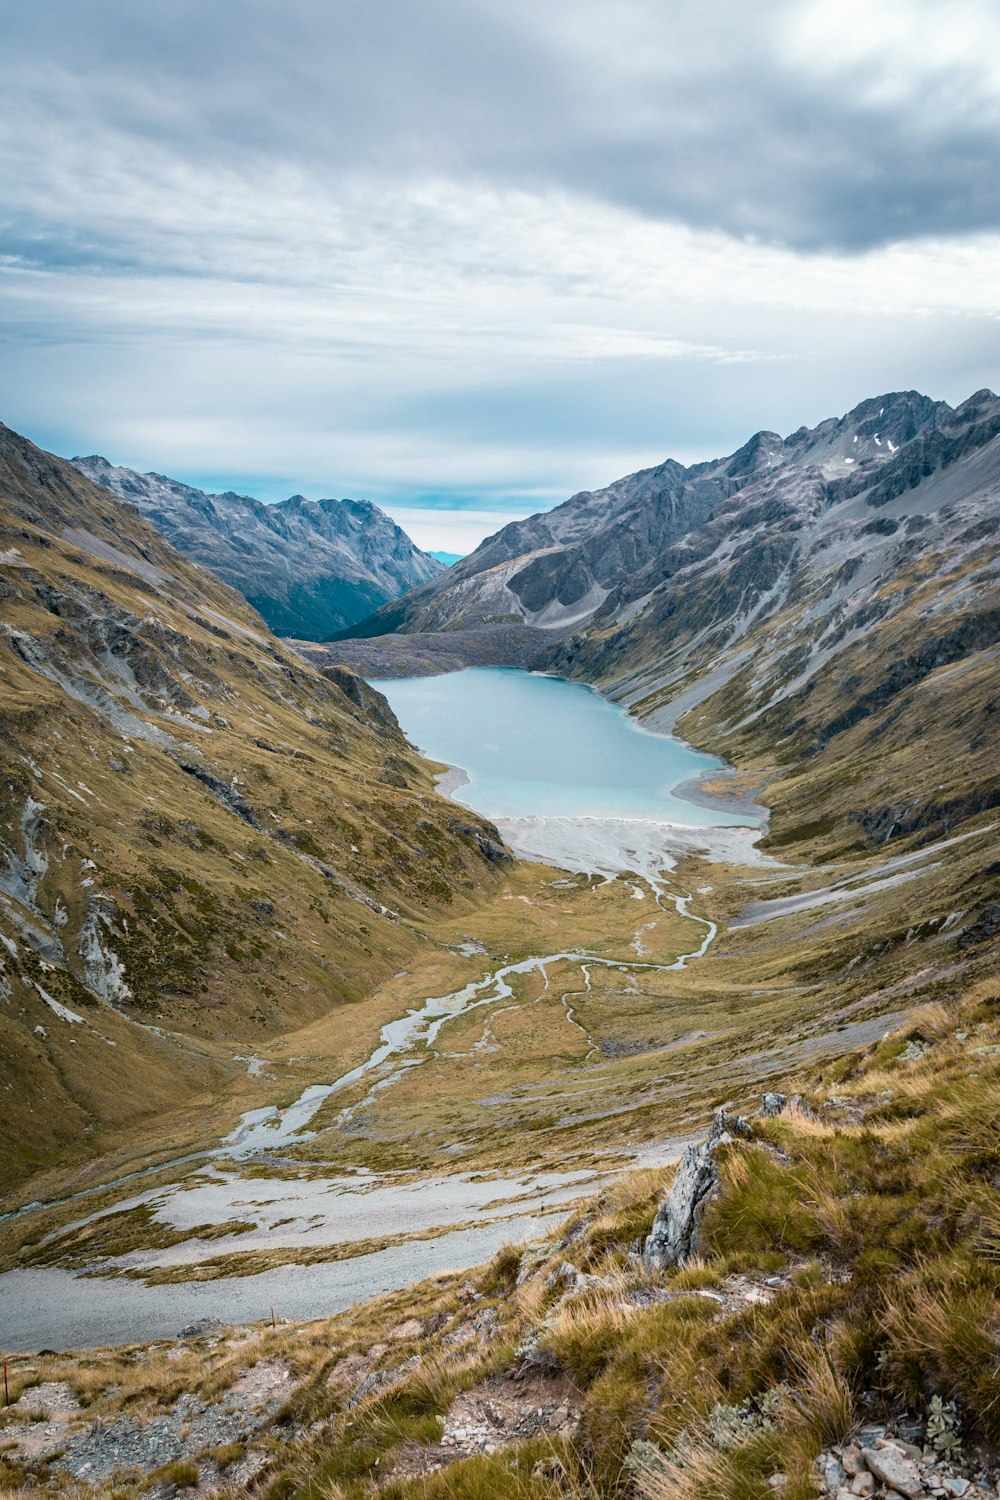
(974, 406)
(763, 450)
(900, 415)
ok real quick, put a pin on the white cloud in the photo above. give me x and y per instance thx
(452, 530)
(943, 59)
(499, 254)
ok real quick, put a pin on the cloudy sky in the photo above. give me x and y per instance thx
(464, 257)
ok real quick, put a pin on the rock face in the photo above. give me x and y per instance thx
(309, 567)
(602, 550)
(675, 1232)
(371, 704)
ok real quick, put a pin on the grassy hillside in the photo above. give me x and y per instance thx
(845, 1293)
(203, 841)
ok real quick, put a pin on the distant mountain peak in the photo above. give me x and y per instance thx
(760, 452)
(310, 567)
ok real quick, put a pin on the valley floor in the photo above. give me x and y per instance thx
(865, 1209)
(576, 1045)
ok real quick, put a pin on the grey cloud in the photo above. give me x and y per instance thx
(708, 122)
(392, 247)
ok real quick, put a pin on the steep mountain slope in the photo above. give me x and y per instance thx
(845, 627)
(309, 567)
(826, 603)
(555, 570)
(202, 840)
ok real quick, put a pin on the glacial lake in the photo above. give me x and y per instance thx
(534, 746)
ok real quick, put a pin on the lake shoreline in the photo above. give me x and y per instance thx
(515, 744)
(450, 781)
(693, 790)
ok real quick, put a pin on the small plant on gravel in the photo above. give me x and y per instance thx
(29, 1414)
(942, 1429)
(645, 1458)
(228, 1453)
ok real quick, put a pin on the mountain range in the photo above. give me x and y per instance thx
(593, 558)
(776, 602)
(309, 567)
(229, 891)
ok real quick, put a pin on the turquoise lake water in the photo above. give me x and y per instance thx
(536, 746)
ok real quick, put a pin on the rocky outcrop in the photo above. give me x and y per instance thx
(486, 839)
(224, 791)
(309, 567)
(372, 705)
(675, 1233)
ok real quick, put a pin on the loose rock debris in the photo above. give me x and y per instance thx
(93, 1450)
(504, 1409)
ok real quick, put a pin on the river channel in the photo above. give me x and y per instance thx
(568, 778)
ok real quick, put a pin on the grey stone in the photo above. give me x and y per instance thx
(196, 1329)
(896, 1471)
(909, 1450)
(675, 1232)
(853, 1459)
(568, 1276)
(833, 1473)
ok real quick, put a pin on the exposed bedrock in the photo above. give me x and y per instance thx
(676, 1229)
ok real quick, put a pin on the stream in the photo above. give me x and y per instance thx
(618, 815)
(269, 1129)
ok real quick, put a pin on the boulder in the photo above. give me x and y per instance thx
(570, 1277)
(201, 1326)
(776, 1104)
(896, 1471)
(675, 1232)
